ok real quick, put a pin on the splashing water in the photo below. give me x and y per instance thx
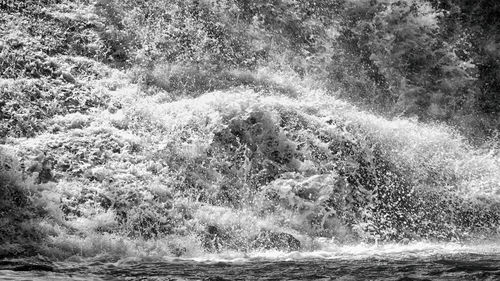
(270, 188)
(267, 179)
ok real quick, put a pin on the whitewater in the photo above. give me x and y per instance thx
(173, 140)
(446, 232)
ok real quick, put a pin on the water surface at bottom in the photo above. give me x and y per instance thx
(402, 263)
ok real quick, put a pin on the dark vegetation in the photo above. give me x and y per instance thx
(90, 164)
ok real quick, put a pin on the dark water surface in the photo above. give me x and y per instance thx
(402, 263)
(460, 267)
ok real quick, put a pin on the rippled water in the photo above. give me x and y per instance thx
(392, 262)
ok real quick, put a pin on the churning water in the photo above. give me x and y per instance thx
(305, 173)
(419, 261)
(314, 198)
